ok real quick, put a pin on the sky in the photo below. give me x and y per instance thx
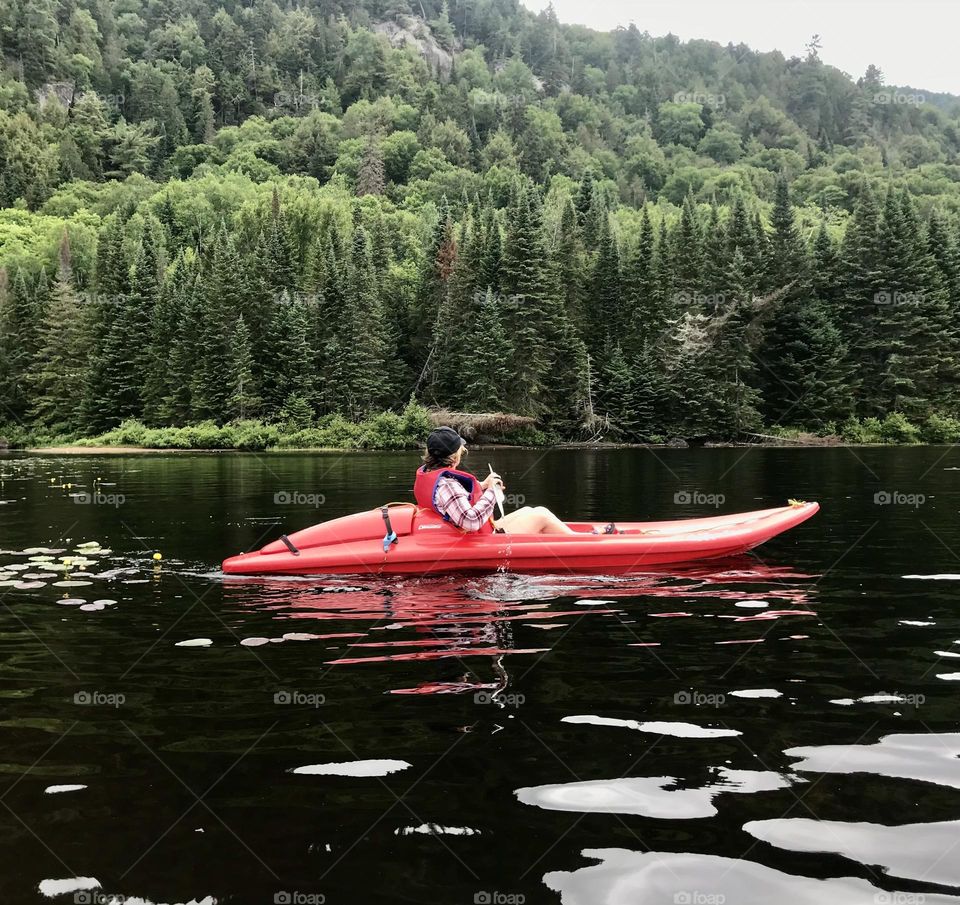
(913, 43)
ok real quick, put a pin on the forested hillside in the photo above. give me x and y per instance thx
(292, 214)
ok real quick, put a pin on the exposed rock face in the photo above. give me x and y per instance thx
(62, 91)
(412, 31)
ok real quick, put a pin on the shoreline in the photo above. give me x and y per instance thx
(786, 443)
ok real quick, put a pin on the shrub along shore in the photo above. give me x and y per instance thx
(406, 430)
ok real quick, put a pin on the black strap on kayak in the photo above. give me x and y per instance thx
(390, 537)
(289, 545)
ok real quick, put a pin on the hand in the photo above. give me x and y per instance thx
(491, 480)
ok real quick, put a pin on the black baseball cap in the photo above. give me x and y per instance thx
(444, 441)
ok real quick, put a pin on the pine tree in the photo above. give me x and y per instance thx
(686, 255)
(185, 357)
(361, 344)
(616, 394)
(643, 317)
(648, 397)
(435, 272)
(18, 344)
(371, 177)
(605, 309)
(57, 376)
(242, 398)
(485, 372)
(531, 315)
(742, 236)
(862, 276)
(219, 287)
(786, 260)
(287, 341)
(281, 272)
(297, 412)
(715, 259)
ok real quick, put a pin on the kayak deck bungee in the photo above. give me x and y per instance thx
(404, 540)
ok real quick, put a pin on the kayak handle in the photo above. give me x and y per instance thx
(390, 537)
(289, 545)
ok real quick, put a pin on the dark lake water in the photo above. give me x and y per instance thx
(779, 728)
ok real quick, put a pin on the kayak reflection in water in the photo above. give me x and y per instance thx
(466, 501)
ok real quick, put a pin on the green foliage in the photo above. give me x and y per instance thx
(941, 429)
(275, 214)
(894, 428)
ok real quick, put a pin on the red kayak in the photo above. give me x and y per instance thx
(404, 540)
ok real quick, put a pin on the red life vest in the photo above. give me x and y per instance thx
(425, 491)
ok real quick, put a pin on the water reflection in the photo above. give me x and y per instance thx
(441, 618)
(637, 878)
(931, 757)
(662, 797)
(914, 851)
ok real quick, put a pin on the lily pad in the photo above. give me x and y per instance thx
(72, 584)
(195, 642)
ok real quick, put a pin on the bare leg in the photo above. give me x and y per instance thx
(533, 520)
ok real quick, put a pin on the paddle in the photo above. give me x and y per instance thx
(497, 492)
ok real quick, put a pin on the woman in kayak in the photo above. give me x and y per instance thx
(466, 501)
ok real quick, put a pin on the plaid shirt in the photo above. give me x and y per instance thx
(453, 501)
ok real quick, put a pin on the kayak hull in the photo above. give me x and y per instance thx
(354, 545)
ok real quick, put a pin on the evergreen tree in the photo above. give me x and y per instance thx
(485, 373)
(616, 395)
(361, 345)
(18, 345)
(531, 315)
(57, 376)
(643, 315)
(242, 398)
(686, 254)
(605, 309)
(371, 177)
